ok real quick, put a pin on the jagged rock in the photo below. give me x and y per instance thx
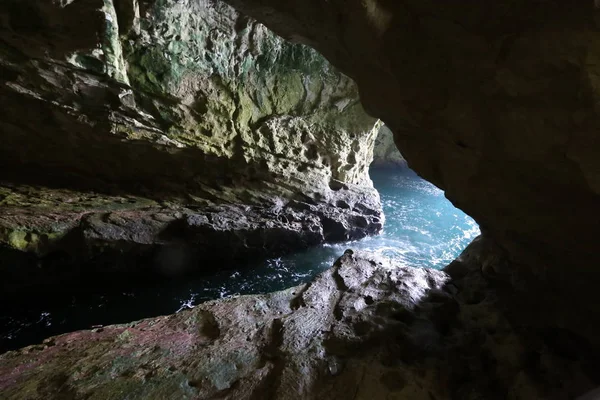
(385, 152)
(364, 329)
(493, 102)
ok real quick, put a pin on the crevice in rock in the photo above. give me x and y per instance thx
(339, 281)
(272, 353)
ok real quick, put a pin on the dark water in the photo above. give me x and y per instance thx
(422, 229)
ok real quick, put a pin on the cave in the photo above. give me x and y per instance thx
(146, 142)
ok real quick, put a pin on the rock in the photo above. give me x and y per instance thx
(364, 329)
(128, 123)
(199, 100)
(494, 103)
(385, 152)
(591, 395)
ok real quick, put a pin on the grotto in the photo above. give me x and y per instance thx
(316, 199)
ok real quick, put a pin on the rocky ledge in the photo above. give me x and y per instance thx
(365, 329)
(53, 236)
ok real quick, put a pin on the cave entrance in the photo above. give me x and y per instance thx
(422, 229)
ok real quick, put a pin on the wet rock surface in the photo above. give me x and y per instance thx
(362, 330)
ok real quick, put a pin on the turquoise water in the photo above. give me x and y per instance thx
(422, 230)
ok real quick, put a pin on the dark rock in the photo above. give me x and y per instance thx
(142, 238)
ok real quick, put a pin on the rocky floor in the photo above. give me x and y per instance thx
(364, 329)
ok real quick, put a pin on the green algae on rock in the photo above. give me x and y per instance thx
(249, 94)
(210, 89)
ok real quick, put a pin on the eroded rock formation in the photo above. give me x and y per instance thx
(493, 102)
(137, 123)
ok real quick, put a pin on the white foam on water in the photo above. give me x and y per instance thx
(187, 304)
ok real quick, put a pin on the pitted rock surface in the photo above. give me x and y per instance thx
(122, 118)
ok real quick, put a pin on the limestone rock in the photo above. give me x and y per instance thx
(85, 239)
(215, 99)
(385, 152)
(155, 108)
(479, 104)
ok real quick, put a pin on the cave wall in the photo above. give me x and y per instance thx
(494, 103)
(134, 129)
(186, 96)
